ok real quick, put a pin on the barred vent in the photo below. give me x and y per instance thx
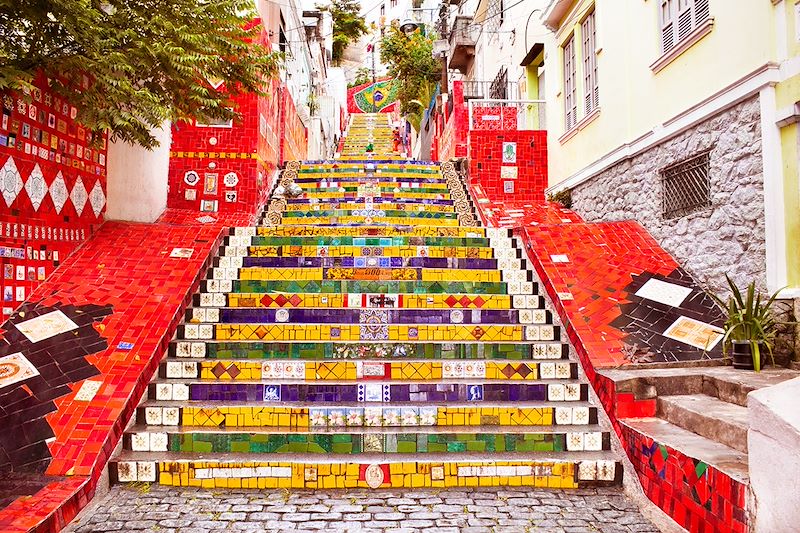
(686, 186)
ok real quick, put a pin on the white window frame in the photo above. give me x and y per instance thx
(678, 19)
(570, 87)
(591, 94)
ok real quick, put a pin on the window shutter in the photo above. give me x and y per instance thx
(570, 104)
(667, 25)
(589, 64)
(685, 23)
(701, 12)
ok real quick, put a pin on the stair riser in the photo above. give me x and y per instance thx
(704, 424)
(305, 418)
(243, 371)
(467, 473)
(356, 443)
(368, 393)
(367, 351)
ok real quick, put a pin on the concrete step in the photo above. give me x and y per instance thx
(707, 416)
(724, 458)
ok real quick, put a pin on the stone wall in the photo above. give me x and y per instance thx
(728, 235)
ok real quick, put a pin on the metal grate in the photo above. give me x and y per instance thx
(686, 186)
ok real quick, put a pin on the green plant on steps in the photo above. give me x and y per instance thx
(750, 321)
(563, 197)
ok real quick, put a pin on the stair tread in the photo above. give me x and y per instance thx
(711, 407)
(323, 430)
(474, 457)
(724, 458)
(385, 381)
(202, 404)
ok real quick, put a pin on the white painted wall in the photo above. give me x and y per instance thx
(137, 179)
(773, 442)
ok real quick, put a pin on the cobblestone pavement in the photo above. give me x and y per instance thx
(178, 510)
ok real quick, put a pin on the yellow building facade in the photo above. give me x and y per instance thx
(683, 115)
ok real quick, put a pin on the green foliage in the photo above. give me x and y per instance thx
(563, 197)
(130, 65)
(362, 76)
(348, 25)
(410, 60)
(749, 319)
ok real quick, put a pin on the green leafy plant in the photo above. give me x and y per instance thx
(750, 319)
(563, 197)
(362, 76)
(129, 66)
(410, 60)
(348, 25)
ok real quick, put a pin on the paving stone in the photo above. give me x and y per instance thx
(501, 511)
(357, 517)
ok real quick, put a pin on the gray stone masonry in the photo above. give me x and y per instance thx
(727, 236)
(155, 508)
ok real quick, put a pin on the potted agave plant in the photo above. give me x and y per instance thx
(750, 326)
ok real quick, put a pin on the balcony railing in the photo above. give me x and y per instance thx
(474, 89)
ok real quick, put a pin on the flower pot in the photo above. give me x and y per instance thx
(743, 357)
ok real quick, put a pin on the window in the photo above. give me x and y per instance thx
(570, 99)
(393, 3)
(494, 15)
(686, 186)
(591, 93)
(679, 18)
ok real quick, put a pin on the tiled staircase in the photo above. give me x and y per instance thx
(368, 334)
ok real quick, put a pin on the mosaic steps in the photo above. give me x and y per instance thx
(359, 301)
(153, 414)
(435, 441)
(351, 262)
(420, 203)
(245, 370)
(367, 286)
(368, 332)
(553, 470)
(549, 352)
(356, 231)
(264, 366)
(386, 391)
(361, 219)
(253, 315)
(354, 205)
(371, 212)
(360, 273)
(379, 186)
(371, 241)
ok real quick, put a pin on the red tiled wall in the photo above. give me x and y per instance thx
(486, 163)
(211, 153)
(249, 149)
(38, 135)
(453, 139)
(294, 139)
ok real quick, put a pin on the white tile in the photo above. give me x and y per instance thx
(189, 369)
(575, 442)
(174, 369)
(563, 416)
(140, 442)
(587, 471)
(45, 326)
(180, 392)
(171, 416)
(593, 441)
(16, 368)
(555, 392)
(606, 470)
(198, 349)
(580, 415)
(126, 471)
(158, 442)
(164, 391)
(152, 416)
(547, 370)
(664, 292)
(572, 392)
